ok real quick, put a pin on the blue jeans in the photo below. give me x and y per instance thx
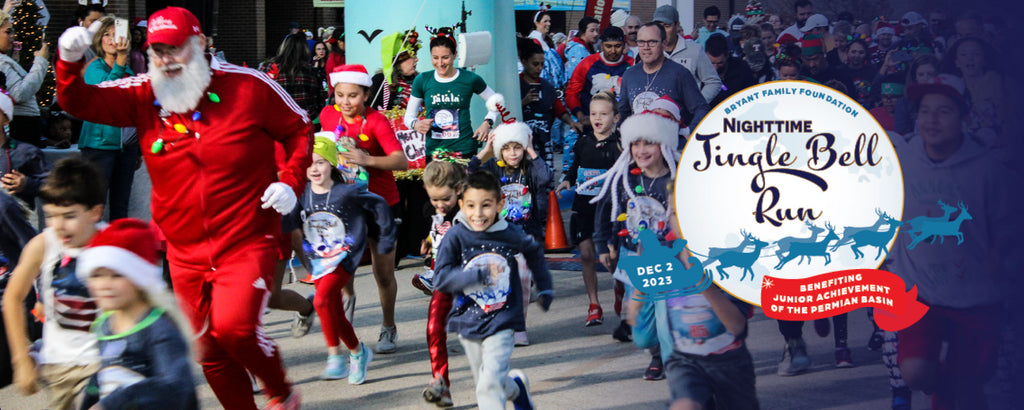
(118, 169)
(489, 360)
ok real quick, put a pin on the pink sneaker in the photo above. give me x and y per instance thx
(292, 402)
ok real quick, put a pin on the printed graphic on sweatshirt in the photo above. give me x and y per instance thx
(643, 213)
(694, 327)
(491, 295)
(326, 240)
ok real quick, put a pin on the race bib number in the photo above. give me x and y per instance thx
(583, 175)
(446, 125)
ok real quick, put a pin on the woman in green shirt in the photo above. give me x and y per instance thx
(103, 144)
(445, 95)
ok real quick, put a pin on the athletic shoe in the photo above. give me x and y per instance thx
(901, 399)
(521, 339)
(302, 323)
(595, 316)
(522, 401)
(336, 368)
(437, 392)
(794, 358)
(623, 333)
(876, 340)
(357, 365)
(822, 327)
(655, 370)
(424, 284)
(843, 358)
(387, 342)
(255, 386)
(292, 402)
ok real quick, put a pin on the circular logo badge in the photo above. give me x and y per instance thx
(787, 179)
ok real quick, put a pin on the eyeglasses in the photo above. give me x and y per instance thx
(648, 43)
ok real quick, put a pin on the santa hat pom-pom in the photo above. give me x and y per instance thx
(494, 102)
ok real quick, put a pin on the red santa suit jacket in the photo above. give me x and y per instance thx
(207, 181)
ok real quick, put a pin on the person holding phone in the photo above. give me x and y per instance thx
(102, 144)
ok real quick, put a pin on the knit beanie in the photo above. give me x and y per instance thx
(323, 145)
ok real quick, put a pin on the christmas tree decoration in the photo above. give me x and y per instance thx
(180, 128)
(157, 146)
(196, 116)
(638, 189)
(621, 217)
(213, 97)
(364, 137)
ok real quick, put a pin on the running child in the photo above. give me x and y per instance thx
(443, 180)
(73, 200)
(634, 195)
(596, 151)
(525, 184)
(143, 338)
(370, 144)
(334, 226)
(477, 263)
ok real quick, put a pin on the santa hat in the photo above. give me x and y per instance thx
(618, 18)
(351, 74)
(646, 126)
(128, 247)
(507, 133)
(666, 103)
(885, 28)
(171, 26)
(6, 104)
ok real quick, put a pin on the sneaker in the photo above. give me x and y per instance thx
(292, 402)
(876, 341)
(387, 342)
(520, 338)
(655, 370)
(843, 358)
(595, 316)
(794, 358)
(522, 401)
(255, 386)
(357, 365)
(901, 399)
(424, 284)
(437, 392)
(822, 327)
(623, 333)
(336, 368)
(301, 324)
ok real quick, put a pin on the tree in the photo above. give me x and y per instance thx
(29, 24)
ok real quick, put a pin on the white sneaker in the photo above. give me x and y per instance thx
(388, 340)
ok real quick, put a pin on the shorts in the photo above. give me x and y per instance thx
(972, 334)
(581, 226)
(373, 231)
(725, 380)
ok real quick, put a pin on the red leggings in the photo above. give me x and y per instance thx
(225, 307)
(437, 336)
(331, 309)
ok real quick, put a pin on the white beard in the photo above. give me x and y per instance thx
(182, 93)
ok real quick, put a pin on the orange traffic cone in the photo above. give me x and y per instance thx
(554, 238)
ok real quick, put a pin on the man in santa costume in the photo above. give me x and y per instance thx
(208, 131)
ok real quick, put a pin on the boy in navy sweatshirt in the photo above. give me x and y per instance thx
(476, 263)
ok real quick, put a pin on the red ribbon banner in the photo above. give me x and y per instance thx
(600, 10)
(835, 293)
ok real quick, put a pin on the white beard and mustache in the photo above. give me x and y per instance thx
(182, 93)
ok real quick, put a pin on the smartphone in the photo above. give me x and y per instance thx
(535, 88)
(120, 28)
(902, 56)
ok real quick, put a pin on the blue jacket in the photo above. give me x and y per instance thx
(480, 269)
(99, 136)
(537, 177)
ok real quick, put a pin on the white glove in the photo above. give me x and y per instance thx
(73, 44)
(280, 197)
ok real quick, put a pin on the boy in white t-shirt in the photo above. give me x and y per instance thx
(73, 204)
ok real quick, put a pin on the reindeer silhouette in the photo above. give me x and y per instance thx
(714, 253)
(876, 239)
(939, 229)
(786, 242)
(914, 225)
(811, 249)
(736, 257)
(849, 231)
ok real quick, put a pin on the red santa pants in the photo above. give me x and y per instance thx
(331, 309)
(225, 306)
(437, 336)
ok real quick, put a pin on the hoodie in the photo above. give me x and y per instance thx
(480, 269)
(948, 274)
